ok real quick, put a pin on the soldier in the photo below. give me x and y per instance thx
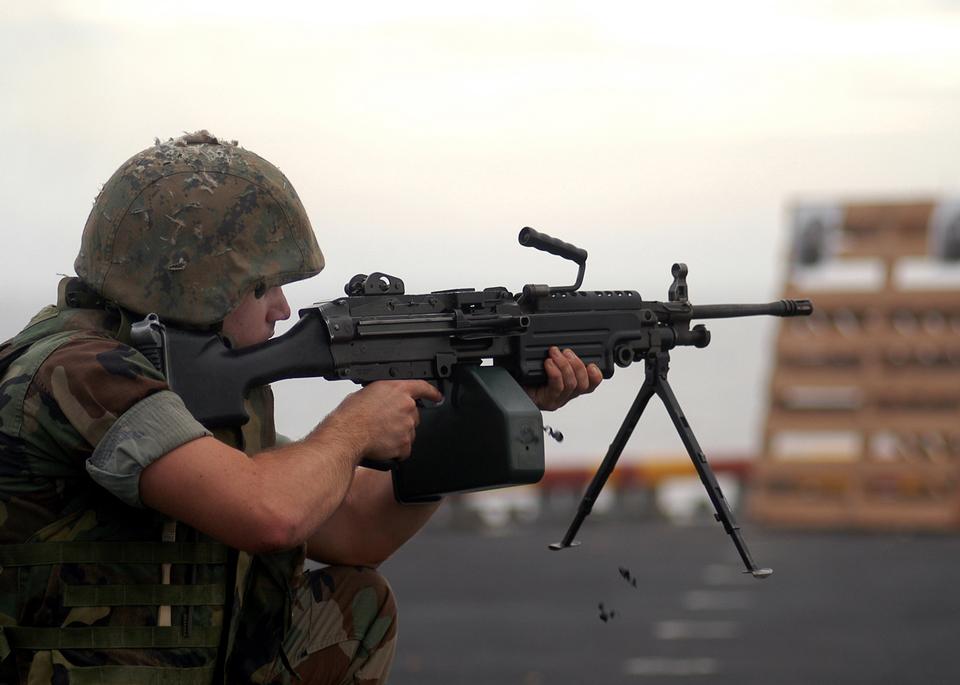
(137, 546)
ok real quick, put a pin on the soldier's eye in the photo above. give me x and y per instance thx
(260, 290)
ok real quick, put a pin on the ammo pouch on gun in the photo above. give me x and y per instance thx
(487, 433)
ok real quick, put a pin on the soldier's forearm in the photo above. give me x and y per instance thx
(370, 525)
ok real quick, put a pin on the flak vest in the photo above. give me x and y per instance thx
(107, 593)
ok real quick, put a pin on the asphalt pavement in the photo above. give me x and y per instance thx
(499, 607)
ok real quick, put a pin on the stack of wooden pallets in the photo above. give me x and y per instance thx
(863, 429)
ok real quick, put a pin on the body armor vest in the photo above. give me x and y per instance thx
(101, 592)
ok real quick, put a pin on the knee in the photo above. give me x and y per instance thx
(368, 608)
(366, 577)
(349, 582)
(350, 626)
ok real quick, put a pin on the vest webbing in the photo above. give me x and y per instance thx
(134, 554)
(143, 595)
(110, 637)
(141, 675)
(40, 553)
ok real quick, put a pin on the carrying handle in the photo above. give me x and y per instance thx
(529, 237)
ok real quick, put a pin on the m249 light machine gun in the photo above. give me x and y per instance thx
(486, 433)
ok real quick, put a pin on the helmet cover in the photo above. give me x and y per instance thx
(186, 228)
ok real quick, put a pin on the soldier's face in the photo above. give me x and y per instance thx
(253, 320)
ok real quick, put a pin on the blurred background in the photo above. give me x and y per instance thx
(799, 148)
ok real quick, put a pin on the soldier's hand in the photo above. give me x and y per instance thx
(567, 377)
(384, 416)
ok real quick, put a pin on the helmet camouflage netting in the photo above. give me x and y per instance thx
(187, 227)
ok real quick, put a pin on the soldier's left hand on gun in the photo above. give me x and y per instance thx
(567, 377)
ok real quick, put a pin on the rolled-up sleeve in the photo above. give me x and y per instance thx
(145, 432)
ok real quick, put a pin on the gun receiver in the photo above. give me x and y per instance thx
(378, 332)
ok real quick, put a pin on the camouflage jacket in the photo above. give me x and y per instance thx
(93, 590)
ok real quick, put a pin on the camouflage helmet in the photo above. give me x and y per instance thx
(186, 228)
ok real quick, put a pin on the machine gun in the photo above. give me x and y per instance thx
(486, 433)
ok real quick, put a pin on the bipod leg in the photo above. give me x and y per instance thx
(647, 390)
(723, 515)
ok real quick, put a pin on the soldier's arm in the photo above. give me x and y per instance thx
(137, 441)
(278, 498)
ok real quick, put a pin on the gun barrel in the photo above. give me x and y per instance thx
(728, 311)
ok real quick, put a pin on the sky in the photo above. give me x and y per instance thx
(422, 136)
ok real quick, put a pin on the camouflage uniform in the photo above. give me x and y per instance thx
(94, 588)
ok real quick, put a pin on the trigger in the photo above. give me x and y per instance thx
(445, 386)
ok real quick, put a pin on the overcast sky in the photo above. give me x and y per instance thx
(422, 135)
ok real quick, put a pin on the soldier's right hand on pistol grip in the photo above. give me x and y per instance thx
(385, 416)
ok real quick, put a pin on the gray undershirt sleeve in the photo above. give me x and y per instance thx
(148, 430)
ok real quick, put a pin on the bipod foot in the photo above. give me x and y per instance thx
(563, 545)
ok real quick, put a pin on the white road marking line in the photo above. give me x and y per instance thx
(659, 666)
(716, 600)
(696, 630)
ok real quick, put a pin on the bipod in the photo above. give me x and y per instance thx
(657, 365)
